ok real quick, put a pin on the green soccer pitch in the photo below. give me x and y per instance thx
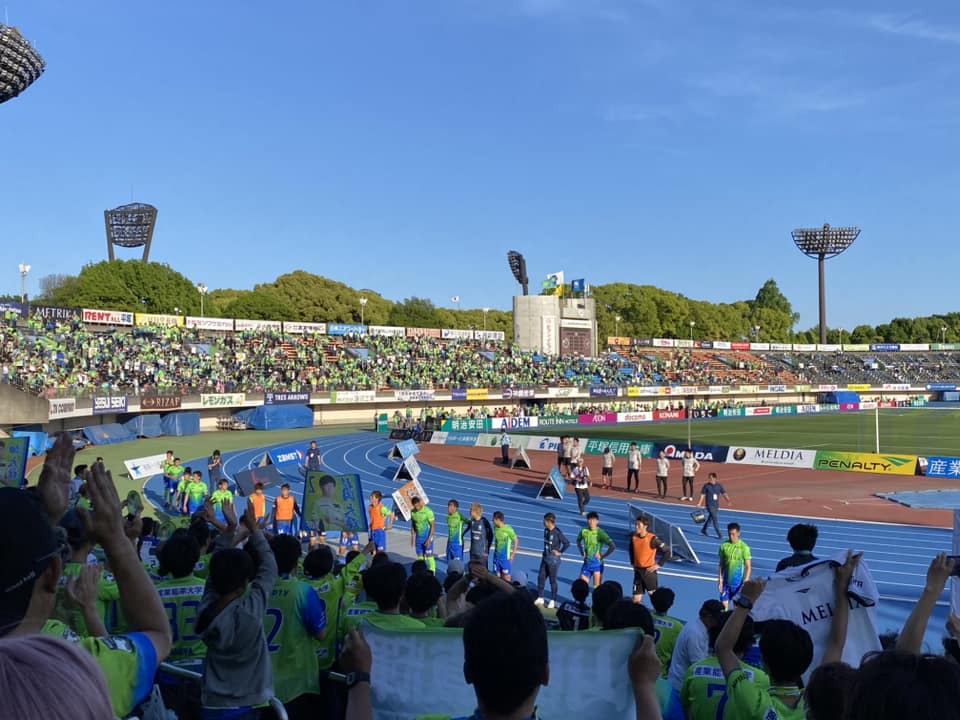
(910, 431)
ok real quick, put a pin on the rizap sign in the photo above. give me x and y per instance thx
(866, 463)
(513, 423)
(772, 457)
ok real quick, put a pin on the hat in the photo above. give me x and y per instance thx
(27, 545)
(520, 578)
(455, 566)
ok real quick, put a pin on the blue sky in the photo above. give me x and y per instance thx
(407, 146)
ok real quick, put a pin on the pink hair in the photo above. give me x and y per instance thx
(44, 677)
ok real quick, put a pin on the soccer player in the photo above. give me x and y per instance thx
(221, 495)
(197, 492)
(644, 546)
(710, 496)
(186, 477)
(555, 544)
(295, 620)
(423, 525)
(505, 548)
(594, 545)
(259, 502)
(285, 510)
(181, 592)
(169, 480)
(312, 457)
(666, 629)
(381, 520)
(575, 615)
(481, 535)
(735, 565)
(456, 528)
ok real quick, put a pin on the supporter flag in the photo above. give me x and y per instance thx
(554, 282)
(578, 286)
(455, 299)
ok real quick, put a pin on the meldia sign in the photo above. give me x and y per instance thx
(772, 457)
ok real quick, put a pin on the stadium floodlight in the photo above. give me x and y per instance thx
(20, 64)
(519, 267)
(823, 243)
(24, 271)
(130, 226)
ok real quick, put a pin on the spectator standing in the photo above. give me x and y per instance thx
(561, 455)
(663, 472)
(575, 615)
(581, 485)
(214, 468)
(710, 496)
(634, 460)
(576, 452)
(736, 565)
(595, 545)
(690, 467)
(311, 458)
(802, 538)
(644, 546)
(504, 447)
(606, 469)
(555, 544)
(693, 644)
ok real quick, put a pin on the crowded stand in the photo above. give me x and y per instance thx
(239, 615)
(57, 359)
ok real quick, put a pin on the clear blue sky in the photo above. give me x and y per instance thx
(406, 146)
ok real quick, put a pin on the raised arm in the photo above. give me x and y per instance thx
(841, 609)
(729, 662)
(911, 637)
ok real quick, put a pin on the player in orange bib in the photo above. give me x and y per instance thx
(285, 510)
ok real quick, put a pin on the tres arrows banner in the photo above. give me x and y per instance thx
(772, 457)
(866, 462)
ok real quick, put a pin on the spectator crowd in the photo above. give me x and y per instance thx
(92, 601)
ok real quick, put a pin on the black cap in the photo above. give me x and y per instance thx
(27, 545)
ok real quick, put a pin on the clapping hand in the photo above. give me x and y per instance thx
(56, 476)
(106, 524)
(939, 571)
(83, 588)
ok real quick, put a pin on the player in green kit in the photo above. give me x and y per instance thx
(294, 622)
(220, 496)
(736, 565)
(505, 546)
(595, 546)
(456, 527)
(197, 492)
(173, 476)
(423, 525)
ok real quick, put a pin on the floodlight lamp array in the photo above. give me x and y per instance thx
(131, 226)
(825, 242)
(20, 64)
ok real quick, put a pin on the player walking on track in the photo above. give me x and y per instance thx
(690, 467)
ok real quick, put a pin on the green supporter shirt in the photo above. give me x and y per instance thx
(128, 662)
(455, 525)
(750, 701)
(331, 589)
(65, 609)
(665, 632)
(594, 541)
(108, 604)
(202, 568)
(219, 497)
(733, 558)
(181, 598)
(704, 692)
(295, 616)
(504, 540)
(385, 621)
(421, 520)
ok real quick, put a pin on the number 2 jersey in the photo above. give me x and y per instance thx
(295, 615)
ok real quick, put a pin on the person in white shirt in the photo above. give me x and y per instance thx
(690, 467)
(576, 452)
(633, 467)
(581, 485)
(504, 447)
(663, 470)
(606, 470)
(693, 643)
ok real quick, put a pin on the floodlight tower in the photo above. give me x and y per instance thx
(130, 226)
(20, 64)
(519, 267)
(823, 243)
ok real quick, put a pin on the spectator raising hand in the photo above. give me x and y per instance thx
(56, 478)
(911, 639)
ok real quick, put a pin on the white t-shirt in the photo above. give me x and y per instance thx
(633, 459)
(663, 467)
(693, 645)
(690, 466)
(608, 460)
(575, 452)
(805, 595)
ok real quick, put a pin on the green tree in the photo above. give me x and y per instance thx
(260, 305)
(414, 312)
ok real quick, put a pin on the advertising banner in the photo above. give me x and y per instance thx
(721, 345)
(517, 393)
(634, 391)
(620, 448)
(209, 323)
(422, 332)
(353, 396)
(634, 417)
(562, 392)
(749, 389)
(286, 398)
(13, 461)
(334, 502)
(305, 328)
(337, 329)
(597, 419)
(490, 335)
(780, 347)
(464, 439)
(661, 415)
(732, 412)
(663, 342)
(807, 409)
(859, 387)
(414, 395)
(705, 344)
(549, 334)
(145, 467)
(513, 423)
(708, 453)
(941, 387)
(107, 317)
(885, 347)
(60, 407)
(477, 394)
(900, 387)
(105, 404)
(286, 455)
(849, 407)
(557, 420)
(544, 444)
(856, 348)
(554, 485)
(469, 424)
(759, 346)
(739, 346)
(576, 324)
(451, 334)
(257, 325)
(458, 394)
(826, 388)
(866, 462)
(51, 312)
(220, 400)
(944, 467)
(607, 391)
(758, 411)
(158, 319)
(868, 405)
(777, 388)
(772, 457)
(784, 410)
(387, 330)
(439, 437)
(160, 403)
(828, 348)
(687, 344)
